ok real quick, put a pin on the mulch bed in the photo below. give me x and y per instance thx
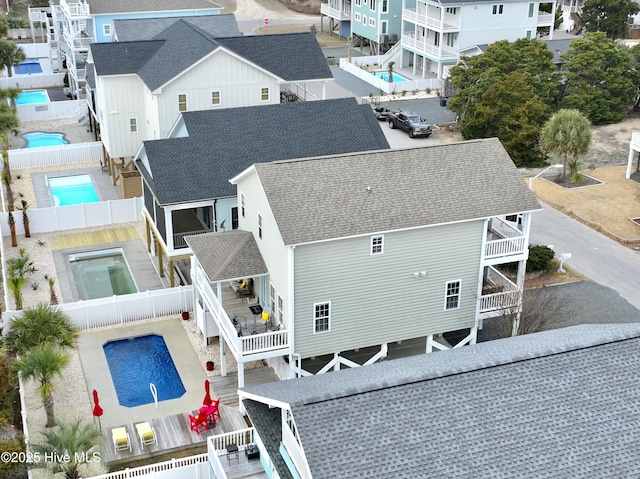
(568, 184)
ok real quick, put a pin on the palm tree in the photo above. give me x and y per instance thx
(15, 285)
(42, 324)
(12, 229)
(10, 94)
(75, 439)
(567, 134)
(10, 54)
(25, 218)
(42, 364)
(390, 69)
(9, 191)
(53, 298)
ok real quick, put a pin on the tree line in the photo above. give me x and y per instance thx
(512, 89)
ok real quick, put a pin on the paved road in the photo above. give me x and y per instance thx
(593, 254)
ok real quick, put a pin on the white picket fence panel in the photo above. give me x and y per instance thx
(118, 310)
(29, 82)
(50, 111)
(36, 50)
(45, 156)
(72, 217)
(191, 467)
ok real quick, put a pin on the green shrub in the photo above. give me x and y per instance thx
(539, 257)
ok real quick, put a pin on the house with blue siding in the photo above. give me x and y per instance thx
(375, 24)
(185, 177)
(355, 252)
(78, 23)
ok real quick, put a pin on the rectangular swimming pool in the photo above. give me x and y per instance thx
(72, 190)
(28, 97)
(28, 67)
(385, 76)
(99, 274)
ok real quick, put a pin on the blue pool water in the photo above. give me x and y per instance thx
(39, 138)
(385, 76)
(28, 97)
(134, 363)
(28, 67)
(72, 190)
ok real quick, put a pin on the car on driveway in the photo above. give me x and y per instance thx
(382, 113)
(411, 123)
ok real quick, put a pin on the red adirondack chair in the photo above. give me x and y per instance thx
(198, 423)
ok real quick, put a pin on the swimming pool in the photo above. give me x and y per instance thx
(99, 274)
(153, 364)
(396, 78)
(72, 190)
(39, 138)
(28, 67)
(28, 97)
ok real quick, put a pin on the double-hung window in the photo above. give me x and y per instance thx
(498, 9)
(215, 97)
(321, 317)
(377, 243)
(452, 295)
(259, 226)
(182, 102)
(133, 125)
(264, 94)
(242, 203)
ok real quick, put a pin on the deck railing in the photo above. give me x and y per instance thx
(216, 446)
(178, 238)
(512, 240)
(505, 299)
(151, 469)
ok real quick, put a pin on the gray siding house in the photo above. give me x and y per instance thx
(366, 249)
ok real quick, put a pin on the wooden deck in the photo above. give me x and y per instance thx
(90, 238)
(226, 387)
(243, 468)
(173, 434)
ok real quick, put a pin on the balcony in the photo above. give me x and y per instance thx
(329, 11)
(231, 469)
(499, 293)
(421, 46)
(545, 18)
(431, 21)
(178, 238)
(75, 9)
(504, 242)
(79, 41)
(255, 343)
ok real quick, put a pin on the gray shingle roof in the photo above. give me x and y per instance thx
(291, 57)
(304, 59)
(409, 188)
(147, 28)
(222, 143)
(230, 255)
(560, 403)
(98, 7)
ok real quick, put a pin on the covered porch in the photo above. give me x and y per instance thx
(243, 322)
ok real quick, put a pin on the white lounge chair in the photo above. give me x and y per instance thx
(121, 440)
(147, 434)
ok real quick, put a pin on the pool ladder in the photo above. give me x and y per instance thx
(154, 393)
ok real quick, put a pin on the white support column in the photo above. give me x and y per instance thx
(324, 90)
(630, 162)
(336, 358)
(223, 356)
(240, 374)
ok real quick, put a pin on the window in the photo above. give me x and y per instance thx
(272, 298)
(280, 310)
(372, 5)
(364, 19)
(451, 39)
(528, 34)
(106, 29)
(451, 10)
(357, 16)
(133, 125)
(264, 94)
(259, 226)
(358, 3)
(385, 6)
(182, 102)
(372, 22)
(383, 27)
(234, 218)
(242, 203)
(497, 9)
(215, 97)
(376, 244)
(531, 5)
(452, 295)
(321, 317)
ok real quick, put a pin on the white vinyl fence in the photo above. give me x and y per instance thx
(73, 217)
(50, 111)
(36, 50)
(383, 85)
(29, 82)
(45, 156)
(96, 313)
(191, 467)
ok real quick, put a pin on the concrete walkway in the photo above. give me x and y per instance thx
(593, 254)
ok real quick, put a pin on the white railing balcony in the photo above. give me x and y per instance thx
(336, 13)
(216, 450)
(545, 18)
(245, 346)
(498, 292)
(421, 18)
(421, 45)
(75, 9)
(178, 238)
(511, 242)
